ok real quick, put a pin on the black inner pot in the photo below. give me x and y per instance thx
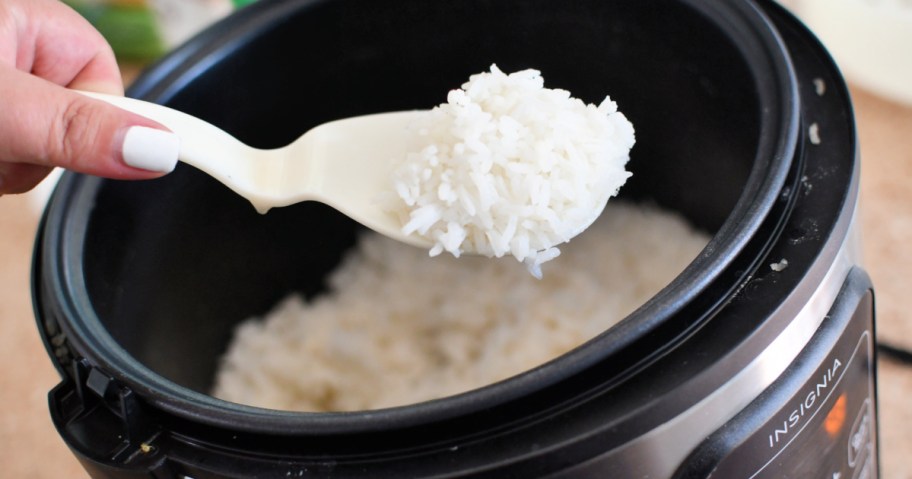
(163, 270)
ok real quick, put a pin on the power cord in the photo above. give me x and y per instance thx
(895, 353)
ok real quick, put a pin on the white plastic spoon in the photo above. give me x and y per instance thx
(346, 164)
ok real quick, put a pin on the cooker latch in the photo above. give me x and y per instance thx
(104, 422)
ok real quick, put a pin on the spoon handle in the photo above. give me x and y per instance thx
(202, 144)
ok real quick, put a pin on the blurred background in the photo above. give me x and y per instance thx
(870, 39)
(142, 30)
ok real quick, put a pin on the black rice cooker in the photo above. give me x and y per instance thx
(756, 362)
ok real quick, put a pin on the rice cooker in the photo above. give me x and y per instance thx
(757, 361)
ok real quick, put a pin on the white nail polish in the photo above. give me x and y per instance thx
(150, 149)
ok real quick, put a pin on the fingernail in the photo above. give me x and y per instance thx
(150, 149)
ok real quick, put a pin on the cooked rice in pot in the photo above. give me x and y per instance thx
(397, 327)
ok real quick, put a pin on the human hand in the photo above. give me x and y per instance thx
(46, 50)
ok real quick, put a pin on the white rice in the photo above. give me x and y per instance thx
(512, 168)
(397, 327)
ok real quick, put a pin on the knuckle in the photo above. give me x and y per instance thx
(74, 136)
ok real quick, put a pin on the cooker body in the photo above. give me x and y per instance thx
(138, 286)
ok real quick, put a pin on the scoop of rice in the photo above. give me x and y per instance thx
(512, 168)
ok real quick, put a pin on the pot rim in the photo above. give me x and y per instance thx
(779, 125)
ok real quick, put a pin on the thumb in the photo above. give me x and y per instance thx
(47, 125)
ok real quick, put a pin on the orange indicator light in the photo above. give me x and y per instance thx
(836, 417)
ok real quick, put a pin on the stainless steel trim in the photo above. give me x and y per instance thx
(659, 452)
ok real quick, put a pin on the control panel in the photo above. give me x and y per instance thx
(818, 420)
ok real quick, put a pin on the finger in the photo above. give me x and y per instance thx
(97, 75)
(60, 46)
(20, 177)
(47, 125)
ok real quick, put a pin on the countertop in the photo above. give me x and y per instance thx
(31, 448)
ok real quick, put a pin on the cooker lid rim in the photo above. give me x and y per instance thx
(721, 250)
